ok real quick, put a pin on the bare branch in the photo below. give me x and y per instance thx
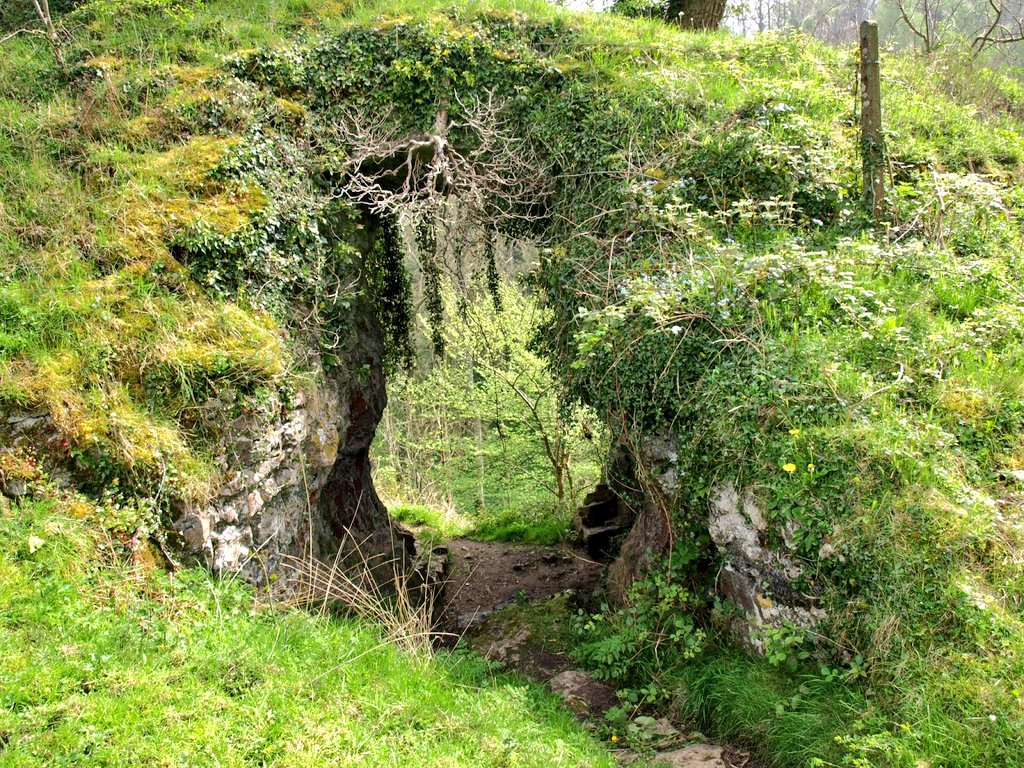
(478, 160)
(17, 32)
(907, 17)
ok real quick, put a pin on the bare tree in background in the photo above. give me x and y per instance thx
(834, 21)
(981, 25)
(49, 31)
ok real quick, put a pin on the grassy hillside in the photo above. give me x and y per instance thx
(708, 272)
(114, 664)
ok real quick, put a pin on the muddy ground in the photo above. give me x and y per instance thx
(511, 604)
(484, 577)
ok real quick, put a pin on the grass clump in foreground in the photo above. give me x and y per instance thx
(104, 663)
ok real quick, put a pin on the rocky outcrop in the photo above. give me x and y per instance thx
(299, 484)
(759, 579)
(756, 568)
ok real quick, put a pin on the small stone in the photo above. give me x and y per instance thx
(663, 729)
(694, 756)
(626, 756)
(583, 694)
(195, 532)
(14, 487)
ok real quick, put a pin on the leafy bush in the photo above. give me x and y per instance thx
(640, 646)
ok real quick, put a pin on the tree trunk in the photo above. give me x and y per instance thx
(695, 14)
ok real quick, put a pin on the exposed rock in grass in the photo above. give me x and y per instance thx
(694, 756)
(583, 693)
(761, 580)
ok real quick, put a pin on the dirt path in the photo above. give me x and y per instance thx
(486, 576)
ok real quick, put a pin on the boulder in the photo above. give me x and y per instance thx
(583, 693)
(693, 756)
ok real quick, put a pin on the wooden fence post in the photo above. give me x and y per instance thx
(872, 148)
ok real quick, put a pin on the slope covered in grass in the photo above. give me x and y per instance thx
(103, 663)
(708, 270)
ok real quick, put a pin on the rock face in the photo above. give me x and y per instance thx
(300, 485)
(758, 579)
(761, 580)
(650, 538)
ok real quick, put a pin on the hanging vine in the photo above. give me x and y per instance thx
(426, 244)
(390, 291)
(493, 276)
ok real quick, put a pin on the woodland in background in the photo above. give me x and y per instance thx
(479, 429)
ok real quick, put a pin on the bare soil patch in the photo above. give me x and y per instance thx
(485, 576)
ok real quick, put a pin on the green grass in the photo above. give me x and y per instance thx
(436, 524)
(788, 720)
(896, 352)
(433, 523)
(542, 529)
(106, 664)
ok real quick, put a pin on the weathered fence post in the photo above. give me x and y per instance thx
(872, 148)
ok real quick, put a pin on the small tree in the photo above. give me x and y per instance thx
(53, 36)
(492, 404)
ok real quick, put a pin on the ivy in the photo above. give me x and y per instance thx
(390, 293)
(426, 244)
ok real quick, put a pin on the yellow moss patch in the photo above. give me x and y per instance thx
(188, 165)
(970, 406)
(228, 336)
(145, 126)
(147, 225)
(107, 63)
(192, 76)
(18, 465)
(131, 435)
(224, 213)
(12, 387)
(292, 109)
(79, 508)
(335, 8)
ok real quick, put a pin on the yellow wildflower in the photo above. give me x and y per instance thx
(789, 467)
(795, 431)
(810, 467)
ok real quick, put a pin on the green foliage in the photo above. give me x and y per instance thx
(641, 645)
(21, 14)
(431, 523)
(791, 720)
(482, 431)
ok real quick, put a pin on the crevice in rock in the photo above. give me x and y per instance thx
(349, 513)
